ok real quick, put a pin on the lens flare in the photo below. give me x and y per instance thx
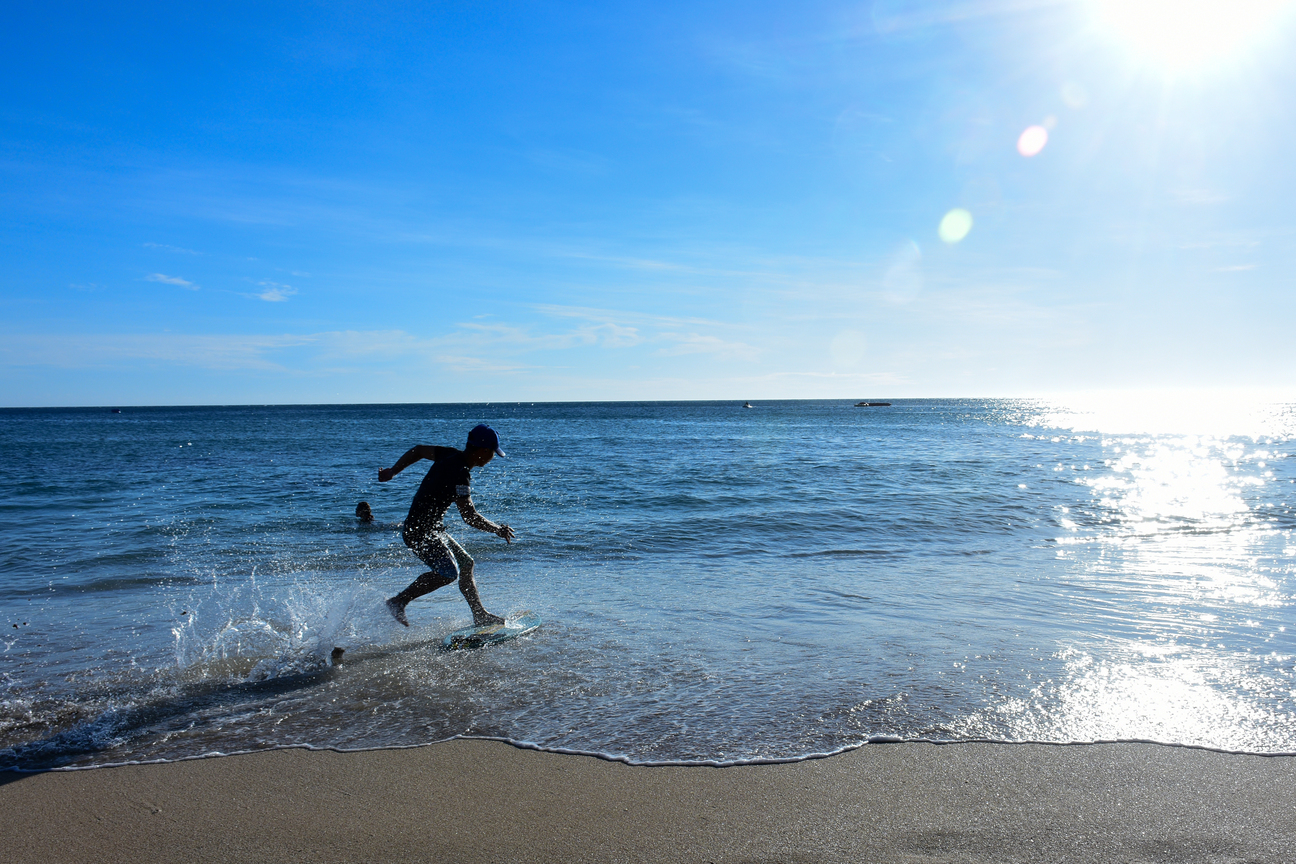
(955, 226)
(1074, 95)
(1032, 141)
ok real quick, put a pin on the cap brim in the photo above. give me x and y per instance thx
(499, 452)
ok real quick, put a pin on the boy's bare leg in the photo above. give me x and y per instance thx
(468, 587)
(425, 584)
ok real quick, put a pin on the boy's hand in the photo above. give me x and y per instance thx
(507, 533)
(385, 474)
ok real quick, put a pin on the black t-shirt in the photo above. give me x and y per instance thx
(448, 480)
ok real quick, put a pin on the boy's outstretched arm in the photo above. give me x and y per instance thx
(480, 522)
(412, 455)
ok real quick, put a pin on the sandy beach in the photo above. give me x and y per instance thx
(470, 801)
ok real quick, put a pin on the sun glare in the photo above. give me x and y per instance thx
(1183, 35)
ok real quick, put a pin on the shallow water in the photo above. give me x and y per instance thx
(717, 584)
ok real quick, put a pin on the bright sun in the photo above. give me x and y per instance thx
(1183, 35)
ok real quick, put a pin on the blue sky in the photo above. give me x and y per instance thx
(392, 202)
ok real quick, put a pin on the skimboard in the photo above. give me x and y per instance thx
(489, 634)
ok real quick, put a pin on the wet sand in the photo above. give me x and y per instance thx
(471, 801)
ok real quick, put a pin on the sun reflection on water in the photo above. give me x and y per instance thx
(1181, 560)
(1189, 482)
(1218, 413)
(1166, 695)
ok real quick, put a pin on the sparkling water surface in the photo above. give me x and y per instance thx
(717, 583)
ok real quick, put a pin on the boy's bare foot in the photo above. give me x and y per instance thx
(397, 610)
(482, 618)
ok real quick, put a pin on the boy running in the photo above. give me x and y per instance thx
(448, 481)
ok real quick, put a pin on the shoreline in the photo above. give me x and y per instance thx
(632, 763)
(470, 800)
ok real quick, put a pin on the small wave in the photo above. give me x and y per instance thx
(847, 553)
(115, 583)
(78, 732)
(825, 754)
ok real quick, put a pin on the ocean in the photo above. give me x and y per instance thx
(718, 584)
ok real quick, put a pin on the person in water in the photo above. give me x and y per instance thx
(363, 513)
(448, 482)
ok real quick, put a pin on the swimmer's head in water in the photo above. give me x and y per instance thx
(363, 513)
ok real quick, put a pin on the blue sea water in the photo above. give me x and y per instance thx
(718, 584)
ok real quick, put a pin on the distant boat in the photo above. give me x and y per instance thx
(116, 410)
(872, 404)
(747, 405)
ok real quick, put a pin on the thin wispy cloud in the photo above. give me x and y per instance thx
(1243, 243)
(894, 16)
(624, 329)
(275, 292)
(619, 317)
(166, 248)
(694, 343)
(469, 346)
(89, 351)
(527, 339)
(171, 280)
(1199, 196)
(477, 364)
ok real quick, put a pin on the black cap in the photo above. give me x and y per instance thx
(484, 436)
